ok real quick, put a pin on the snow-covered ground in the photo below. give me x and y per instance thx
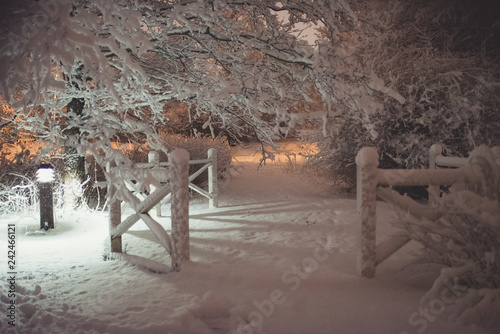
(278, 257)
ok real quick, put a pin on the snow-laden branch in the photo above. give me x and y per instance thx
(237, 63)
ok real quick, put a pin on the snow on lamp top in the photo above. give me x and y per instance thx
(45, 173)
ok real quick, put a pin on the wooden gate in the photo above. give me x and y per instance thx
(172, 180)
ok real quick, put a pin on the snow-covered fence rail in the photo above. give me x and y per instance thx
(369, 178)
(175, 183)
(209, 165)
(436, 159)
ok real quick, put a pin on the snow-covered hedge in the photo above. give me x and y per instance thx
(466, 241)
(197, 148)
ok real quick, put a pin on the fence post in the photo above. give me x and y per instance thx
(434, 191)
(154, 158)
(179, 178)
(213, 188)
(367, 180)
(115, 213)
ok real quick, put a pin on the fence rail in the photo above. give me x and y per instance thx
(369, 178)
(436, 159)
(209, 165)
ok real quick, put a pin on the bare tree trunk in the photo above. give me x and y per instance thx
(74, 163)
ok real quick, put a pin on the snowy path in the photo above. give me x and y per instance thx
(279, 251)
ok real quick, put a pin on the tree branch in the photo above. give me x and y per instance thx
(7, 122)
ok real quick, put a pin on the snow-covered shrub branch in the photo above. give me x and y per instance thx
(465, 240)
(18, 193)
(232, 60)
(408, 79)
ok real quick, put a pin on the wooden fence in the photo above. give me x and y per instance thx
(373, 182)
(209, 165)
(172, 183)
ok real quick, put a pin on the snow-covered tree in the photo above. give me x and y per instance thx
(409, 74)
(232, 61)
(102, 70)
(395, 74)
(67, 58)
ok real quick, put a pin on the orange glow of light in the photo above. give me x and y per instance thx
(15, 142)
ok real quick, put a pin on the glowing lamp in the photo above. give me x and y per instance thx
(45, 173)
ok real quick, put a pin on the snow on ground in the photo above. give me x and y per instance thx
(278, 257)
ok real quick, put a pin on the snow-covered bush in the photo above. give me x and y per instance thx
(335, 158)
(19, 186)
(466, 240)
(17, 177)
(18, 194)
(197, 147)
(414, 73)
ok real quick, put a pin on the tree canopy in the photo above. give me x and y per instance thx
(231, 60)
(383, 69)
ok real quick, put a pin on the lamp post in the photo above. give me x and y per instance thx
(45, 177)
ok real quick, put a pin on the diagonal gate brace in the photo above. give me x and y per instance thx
(140, 208)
